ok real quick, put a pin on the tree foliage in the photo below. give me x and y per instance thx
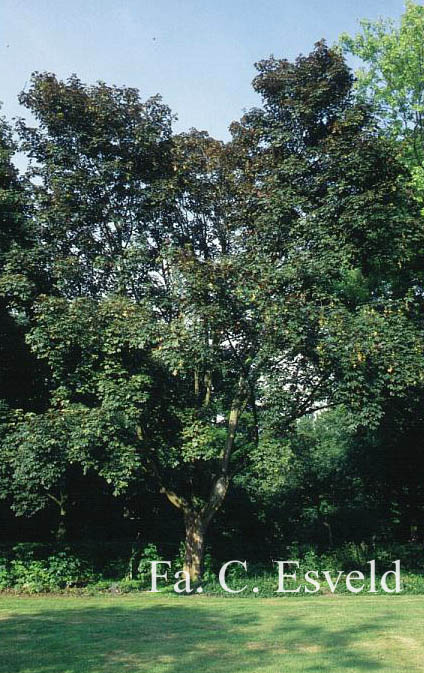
(392, 78)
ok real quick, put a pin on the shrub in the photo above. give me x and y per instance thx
(149, 553)
(58, 571)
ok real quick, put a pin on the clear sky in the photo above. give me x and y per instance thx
(198, 54)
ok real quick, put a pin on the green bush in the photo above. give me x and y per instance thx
(59, 571)
(4, 574)
(150, 553)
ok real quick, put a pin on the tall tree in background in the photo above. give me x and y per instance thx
(20, 384)
(392, 77)
(14, 240)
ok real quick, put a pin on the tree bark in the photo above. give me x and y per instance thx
(61, 503)
(194, 546)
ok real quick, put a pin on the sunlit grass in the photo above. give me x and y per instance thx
(157, 634)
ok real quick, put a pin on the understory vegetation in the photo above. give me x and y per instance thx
(35, 568)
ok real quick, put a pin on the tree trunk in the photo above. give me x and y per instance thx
(61, 529)
(327, 524)
(194, 546)
(196, 522)
(60, 532)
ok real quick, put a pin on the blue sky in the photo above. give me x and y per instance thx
(198, 55)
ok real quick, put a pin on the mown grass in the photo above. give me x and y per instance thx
(158, 634)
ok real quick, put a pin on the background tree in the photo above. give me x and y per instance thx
(392, 78)
(20, 385)
(15, 241)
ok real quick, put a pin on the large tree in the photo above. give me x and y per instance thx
(264, 283)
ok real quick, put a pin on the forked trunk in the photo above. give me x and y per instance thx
(60, 533)
(196, 523)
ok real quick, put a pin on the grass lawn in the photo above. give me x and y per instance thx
(156, 634)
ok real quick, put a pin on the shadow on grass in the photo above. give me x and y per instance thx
(184, 637)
